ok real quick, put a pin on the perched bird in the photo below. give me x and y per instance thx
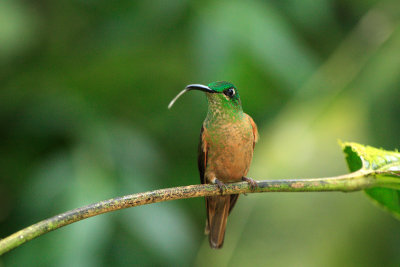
(227, 140)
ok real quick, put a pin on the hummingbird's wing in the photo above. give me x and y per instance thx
(202, 156)
(255, 130)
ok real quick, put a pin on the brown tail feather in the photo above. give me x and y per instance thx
(217, 211)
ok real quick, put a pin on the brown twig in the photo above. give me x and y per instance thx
(346, 183)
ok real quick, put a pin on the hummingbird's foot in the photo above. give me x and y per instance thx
(221, 185)
(253, 184)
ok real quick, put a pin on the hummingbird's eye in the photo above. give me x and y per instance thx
(229, 92)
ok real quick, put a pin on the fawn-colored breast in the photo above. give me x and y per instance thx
(230, 151)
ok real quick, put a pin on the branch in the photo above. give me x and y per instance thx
(345, 183)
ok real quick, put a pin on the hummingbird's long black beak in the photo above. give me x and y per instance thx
(199, 87)
(190, 87)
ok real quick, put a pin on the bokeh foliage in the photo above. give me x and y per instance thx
(84, 90)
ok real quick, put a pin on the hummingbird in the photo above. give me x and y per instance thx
(225, 151)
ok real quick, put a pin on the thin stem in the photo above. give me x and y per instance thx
(346, 183)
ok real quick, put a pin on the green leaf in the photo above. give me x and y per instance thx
(387, 163)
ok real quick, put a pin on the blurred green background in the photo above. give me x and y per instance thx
(84, 89)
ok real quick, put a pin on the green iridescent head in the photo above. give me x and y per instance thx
(225, 95)
(219, 94)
